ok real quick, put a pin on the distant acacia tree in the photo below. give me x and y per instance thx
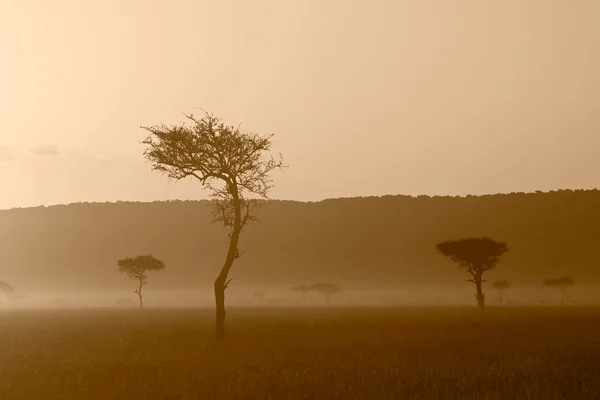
(476, 255)
(501, 286)
(136, 269)
(302, 289)
(235, 167)
(6, 290)
(561, 284)
(260, 295)
(326, 289)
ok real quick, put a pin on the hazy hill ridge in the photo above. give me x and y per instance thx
(387, 239)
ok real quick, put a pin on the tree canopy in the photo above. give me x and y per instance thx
(501, 285)
(227, 161)
(326, 288)
(136, 267)
(561, 283)
(476, 255)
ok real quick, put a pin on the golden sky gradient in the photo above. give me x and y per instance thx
(364, 97)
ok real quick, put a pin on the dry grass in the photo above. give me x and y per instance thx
(445, 353)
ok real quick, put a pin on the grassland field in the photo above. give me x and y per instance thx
(301, 353)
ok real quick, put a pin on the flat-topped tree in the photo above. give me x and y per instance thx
(561, 284)
(326, 289)
(476, 255)
(501, 286)
(136, 268)
(302, 289)
(233, 165)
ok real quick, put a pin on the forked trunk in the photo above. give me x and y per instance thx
(141, 301)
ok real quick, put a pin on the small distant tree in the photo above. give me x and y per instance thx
(260, 295)
(501, 286)
(561, 284)
(233, 165)
(476, 255)
(6, 290)
(326, 289)
(302, 289)
(136, 269)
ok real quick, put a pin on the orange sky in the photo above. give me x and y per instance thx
(364, 97)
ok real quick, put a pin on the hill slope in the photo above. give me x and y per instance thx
(377, 240)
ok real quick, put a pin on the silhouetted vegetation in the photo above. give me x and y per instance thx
(232, 164)
(136, 269)
(501, 286)
(476, 255)
(260, 295)
(388, 240)
(326, 289)
(303, 290)
(561, 284)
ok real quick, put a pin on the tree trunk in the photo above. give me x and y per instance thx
(562, 298)
(220, 309)
(479, 296)
(221, 282)
(139, 292)
(501, 298)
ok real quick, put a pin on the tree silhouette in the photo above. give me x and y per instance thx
(476, 255)
(232, 164)
(260, 295)
(6, 290)
(136, 268)
(501, 286)
(561, 284)
(302, 289)
(326, 289)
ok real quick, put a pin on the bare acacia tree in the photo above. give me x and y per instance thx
(232, 164)
(476, 255)
(136, 268)
(561, 284)
(501, 286)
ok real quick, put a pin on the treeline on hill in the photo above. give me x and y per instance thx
(373, 240)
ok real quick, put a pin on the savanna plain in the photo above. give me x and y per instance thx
(302, 353)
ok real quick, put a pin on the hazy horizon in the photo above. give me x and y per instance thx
(433, 98)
